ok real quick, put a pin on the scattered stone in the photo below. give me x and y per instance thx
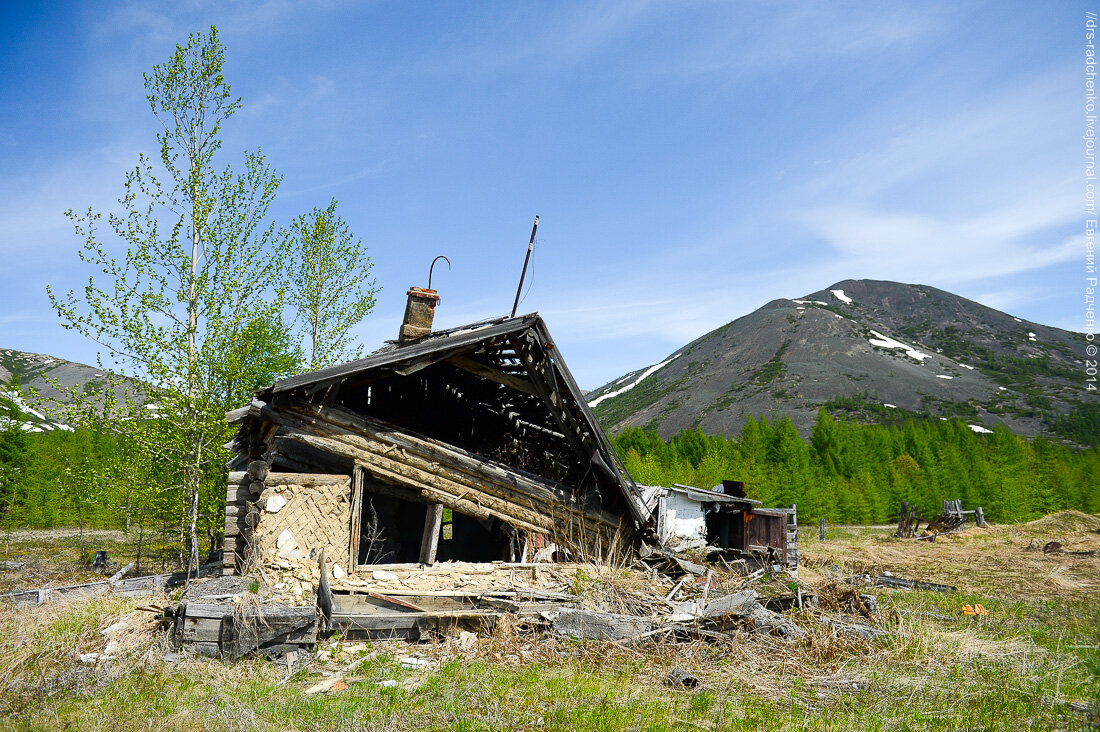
(286, 544)
(274, 503)
(89, 657)
(768, 622)
(114, 628)
(414, 662)
(467, 640)
(382, 575)
(338, 572)
(388, 684)
(680, 679)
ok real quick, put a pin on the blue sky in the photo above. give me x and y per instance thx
(690, 161)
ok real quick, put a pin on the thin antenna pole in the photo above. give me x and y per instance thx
(530, 246)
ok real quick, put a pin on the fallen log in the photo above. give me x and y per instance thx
(901, 583)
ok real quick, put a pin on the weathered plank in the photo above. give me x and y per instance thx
(738, 604)
(592, 625)
(280, 624)
(433, 523)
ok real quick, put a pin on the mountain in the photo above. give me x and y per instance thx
(868, 350)
(36, 373)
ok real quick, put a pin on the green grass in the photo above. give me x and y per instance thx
(1022, 667)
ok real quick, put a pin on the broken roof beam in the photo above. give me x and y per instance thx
(479, 369)
(361, 430)
(544, 379)
(570, 417)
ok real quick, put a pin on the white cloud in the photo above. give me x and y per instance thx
(929, 248)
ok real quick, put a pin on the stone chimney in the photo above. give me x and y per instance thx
(419, 313)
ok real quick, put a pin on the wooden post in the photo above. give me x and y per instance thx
(821, 530)
(433, 521)
(902, 518)
(356, 516)
(979, 516)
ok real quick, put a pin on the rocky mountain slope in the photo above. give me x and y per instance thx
(24, 374)
(868, 350)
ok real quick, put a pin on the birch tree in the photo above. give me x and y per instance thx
(328, 283)
(191, 308)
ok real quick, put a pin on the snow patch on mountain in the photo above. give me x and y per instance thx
(883, 341)
(651, 370)
(839, 295)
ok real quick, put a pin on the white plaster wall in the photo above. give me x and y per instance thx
(684, 517)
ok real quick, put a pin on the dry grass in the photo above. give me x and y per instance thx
(934, 668)
(41, 648)
(978, 561)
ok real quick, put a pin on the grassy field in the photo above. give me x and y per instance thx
(1032, 663)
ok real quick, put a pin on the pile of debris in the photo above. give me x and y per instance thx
(952, 519)
(660, 598)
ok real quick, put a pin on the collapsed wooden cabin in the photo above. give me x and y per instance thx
(468, 444)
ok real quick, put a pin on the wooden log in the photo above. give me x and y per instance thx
(279, 624)
(821, 530)
(433, 522)
(739, 604)
(356, 517)
(371, 434)
(238, 493)
(306, 480)
(120, 573)
(434, 488)
(452, 464)
(258, 469)
(900, 582)
(398, 620)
